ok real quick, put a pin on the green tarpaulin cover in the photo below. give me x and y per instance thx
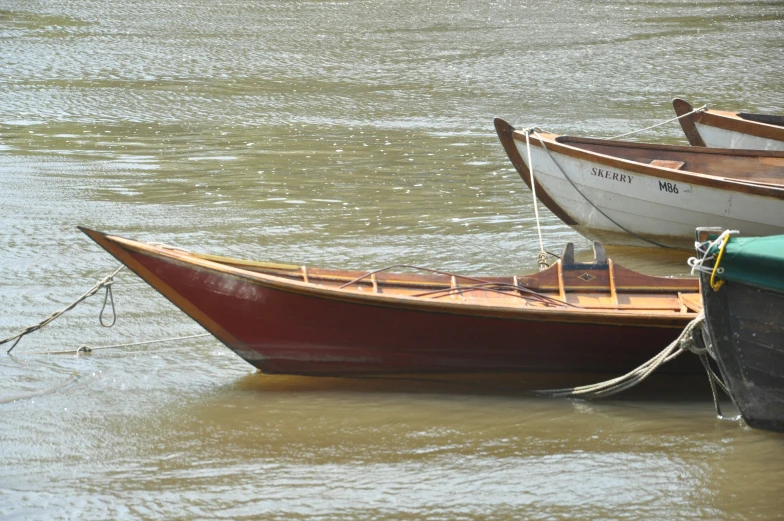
(757, 261)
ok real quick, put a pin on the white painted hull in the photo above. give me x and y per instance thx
(715, 137)
(614, 205)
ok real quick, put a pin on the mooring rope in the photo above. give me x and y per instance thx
(106, 282)
(714, 380)
(542, 257)
(698, 263)
(689, 340)
(89, 349)
(684, 342)
(698, 109)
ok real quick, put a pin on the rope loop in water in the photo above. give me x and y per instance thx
(90, 349)
(108, 296)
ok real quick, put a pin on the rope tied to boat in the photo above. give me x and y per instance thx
(704, 248)
(693, 338)
(542, 257)
(106, 283)
(529, 131)
(694, 111)
(684, 342)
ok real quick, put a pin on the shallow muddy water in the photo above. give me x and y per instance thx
(352, 134)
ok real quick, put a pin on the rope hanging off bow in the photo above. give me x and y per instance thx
(542, 257)
(106, 282)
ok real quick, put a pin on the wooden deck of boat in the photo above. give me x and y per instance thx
(597, 286)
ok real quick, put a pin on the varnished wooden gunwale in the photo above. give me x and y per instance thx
(567, 145)
(124, 249)
(732, 121)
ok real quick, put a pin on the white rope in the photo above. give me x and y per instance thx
(87, 349)
(698, 263)
(542, 259)
(699, 109)
(684, 342)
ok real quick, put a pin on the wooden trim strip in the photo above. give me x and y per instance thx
(613, 292)
(561, 288)
(121, 249)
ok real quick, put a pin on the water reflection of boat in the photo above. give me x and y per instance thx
(721, 129)
(743, 292)
(641, 194)
(572, 317)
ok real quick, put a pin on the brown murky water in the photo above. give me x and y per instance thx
(351, 134)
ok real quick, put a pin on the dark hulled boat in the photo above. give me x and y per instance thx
(742, 283)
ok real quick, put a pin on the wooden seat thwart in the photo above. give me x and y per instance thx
(666, 163)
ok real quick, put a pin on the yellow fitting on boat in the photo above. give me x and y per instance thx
(717, 284)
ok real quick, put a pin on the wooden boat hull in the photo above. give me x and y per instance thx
(621, 201)
(737, 130)
(287, 327)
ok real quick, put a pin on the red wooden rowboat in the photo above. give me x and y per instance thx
(573, 317)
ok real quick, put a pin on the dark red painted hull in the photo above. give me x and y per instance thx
(290, 332)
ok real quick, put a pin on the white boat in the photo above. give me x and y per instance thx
(639, 194)
(721, 129)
